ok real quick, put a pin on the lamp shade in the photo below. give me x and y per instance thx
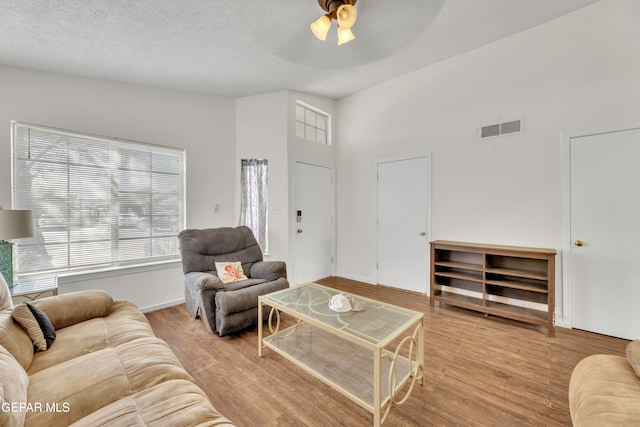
(15, 224)
(344, 35)
(346, 16)
(320, 28)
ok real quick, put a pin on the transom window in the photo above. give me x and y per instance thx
(312, 124)
(96, 201)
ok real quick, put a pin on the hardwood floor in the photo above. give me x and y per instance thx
(479, 371)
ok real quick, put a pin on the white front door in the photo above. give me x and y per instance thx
(314, 229)
(403, 224)
(605, 229)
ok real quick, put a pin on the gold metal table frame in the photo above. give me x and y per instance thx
(351, 352)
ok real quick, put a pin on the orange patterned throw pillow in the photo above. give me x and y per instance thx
(230, 272)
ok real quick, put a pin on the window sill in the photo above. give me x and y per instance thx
(117, 271)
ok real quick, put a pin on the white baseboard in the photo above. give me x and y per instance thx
(357, 278)
(163, 305)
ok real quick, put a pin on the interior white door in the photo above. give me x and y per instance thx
(605, 227)
(315, 237)
(403, 218)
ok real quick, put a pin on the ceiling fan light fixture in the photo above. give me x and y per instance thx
(320, 28)
(346, 16)
(342, 11)
(344, 35)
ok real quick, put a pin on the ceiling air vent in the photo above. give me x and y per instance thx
(499, 129)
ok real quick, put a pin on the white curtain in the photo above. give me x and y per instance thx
(254, 199)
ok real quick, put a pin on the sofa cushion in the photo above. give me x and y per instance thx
(243, 284)
(72, 342)
(172, 403)
(75, 307)
(13, 389)
(241, 299)
(633, 356)
(148, 362)
(70, 383)
(245, 298)
(125, 323)
(37, 325)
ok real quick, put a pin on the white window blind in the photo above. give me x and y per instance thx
(97, 201)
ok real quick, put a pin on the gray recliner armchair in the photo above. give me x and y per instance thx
(226, 308)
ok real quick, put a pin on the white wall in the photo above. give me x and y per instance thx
(261, 133)
(578, 72)
(265, 128)
(203, 125)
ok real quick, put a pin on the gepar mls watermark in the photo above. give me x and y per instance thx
(12, 407)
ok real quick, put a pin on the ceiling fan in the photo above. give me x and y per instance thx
(344, 12)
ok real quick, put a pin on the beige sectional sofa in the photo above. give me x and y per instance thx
(105, 367)
(605, 390)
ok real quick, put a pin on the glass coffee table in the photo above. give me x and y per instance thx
(368, 355)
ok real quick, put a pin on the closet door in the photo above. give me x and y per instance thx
(403, 218)
(605, 233)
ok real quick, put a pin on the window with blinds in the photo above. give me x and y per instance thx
(97, 201)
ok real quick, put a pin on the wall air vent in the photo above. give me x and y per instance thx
(500, 129)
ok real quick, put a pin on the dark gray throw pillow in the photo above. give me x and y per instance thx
(37, 325)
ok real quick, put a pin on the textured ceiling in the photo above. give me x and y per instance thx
(244, 47)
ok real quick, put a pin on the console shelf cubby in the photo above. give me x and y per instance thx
(509, 281)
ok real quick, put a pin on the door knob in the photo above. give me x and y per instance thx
(299, 230)
(578, 243)
(422, 233)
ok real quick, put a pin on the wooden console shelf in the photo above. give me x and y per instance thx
(507, 281)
